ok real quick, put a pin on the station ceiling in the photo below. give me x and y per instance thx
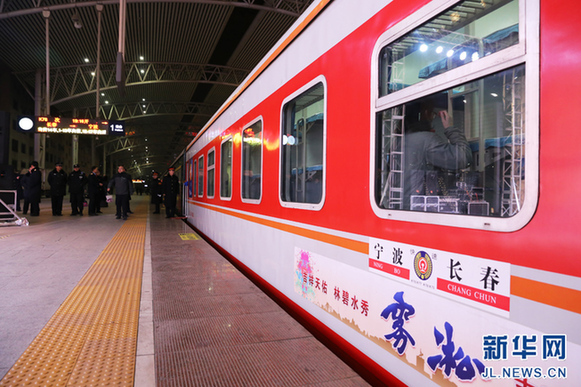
(182, 59)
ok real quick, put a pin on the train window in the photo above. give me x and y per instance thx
(194, 180)
(462, 34)
(458, 151)
(188, 177)
(252, 161)
(201, 176)
(211, 170)
(303, 148)
(226, 168)
(457, 144)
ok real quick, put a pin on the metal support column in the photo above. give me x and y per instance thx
(40, 139)
(99, 8)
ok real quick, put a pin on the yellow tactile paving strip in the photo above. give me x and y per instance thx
(92, 338)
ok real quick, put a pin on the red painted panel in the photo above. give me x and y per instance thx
(549, 242)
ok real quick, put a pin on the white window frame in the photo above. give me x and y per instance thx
(201, 193)
(194, 177)
(526, 52)
(305, 206)
(257, 119)
(188, 178)
(226, 139)
(208, 169)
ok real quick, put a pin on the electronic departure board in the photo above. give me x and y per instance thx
(62, 125)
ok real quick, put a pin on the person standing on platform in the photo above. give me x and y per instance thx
(18, 188)
(77, 181)
(132, 191)
(170, 189)
(94, 190)
(155, 191)
(24, 174)
(57, 179)
(123, 189)
(33, 188)
(102, 195)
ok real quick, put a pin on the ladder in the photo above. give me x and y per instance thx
(392, 151)
(513, 167)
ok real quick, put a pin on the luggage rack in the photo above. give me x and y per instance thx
(8, 215)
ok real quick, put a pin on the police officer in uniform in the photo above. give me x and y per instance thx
(155, 191)
(94, 191)
(77, 181)
(170, 189)
(57, 179)
(33, 188)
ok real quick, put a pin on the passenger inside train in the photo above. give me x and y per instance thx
(430, 154)
(485, 179)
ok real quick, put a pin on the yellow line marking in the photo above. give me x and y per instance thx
(92, 337)
(189, 236)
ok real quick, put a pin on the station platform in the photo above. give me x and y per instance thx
(88, 301)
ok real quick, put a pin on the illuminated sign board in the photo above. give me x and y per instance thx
(117, 128)
(62, 125)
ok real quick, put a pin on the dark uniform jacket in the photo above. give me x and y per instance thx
(94, 189)
(32, 188)
(58, 182)
(77, 181)
(171, 187)
(155, 190)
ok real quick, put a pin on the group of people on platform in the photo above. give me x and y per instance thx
(76, 180)
(97, 187)
(165, 190)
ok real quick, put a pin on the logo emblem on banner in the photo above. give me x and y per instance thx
(423, 265)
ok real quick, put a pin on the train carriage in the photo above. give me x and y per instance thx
(401, 176)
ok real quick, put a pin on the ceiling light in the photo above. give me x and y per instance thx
(141, 58)
(86, 60)
(77, 20)
(424, 47)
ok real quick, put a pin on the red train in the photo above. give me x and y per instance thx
(402, 175)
